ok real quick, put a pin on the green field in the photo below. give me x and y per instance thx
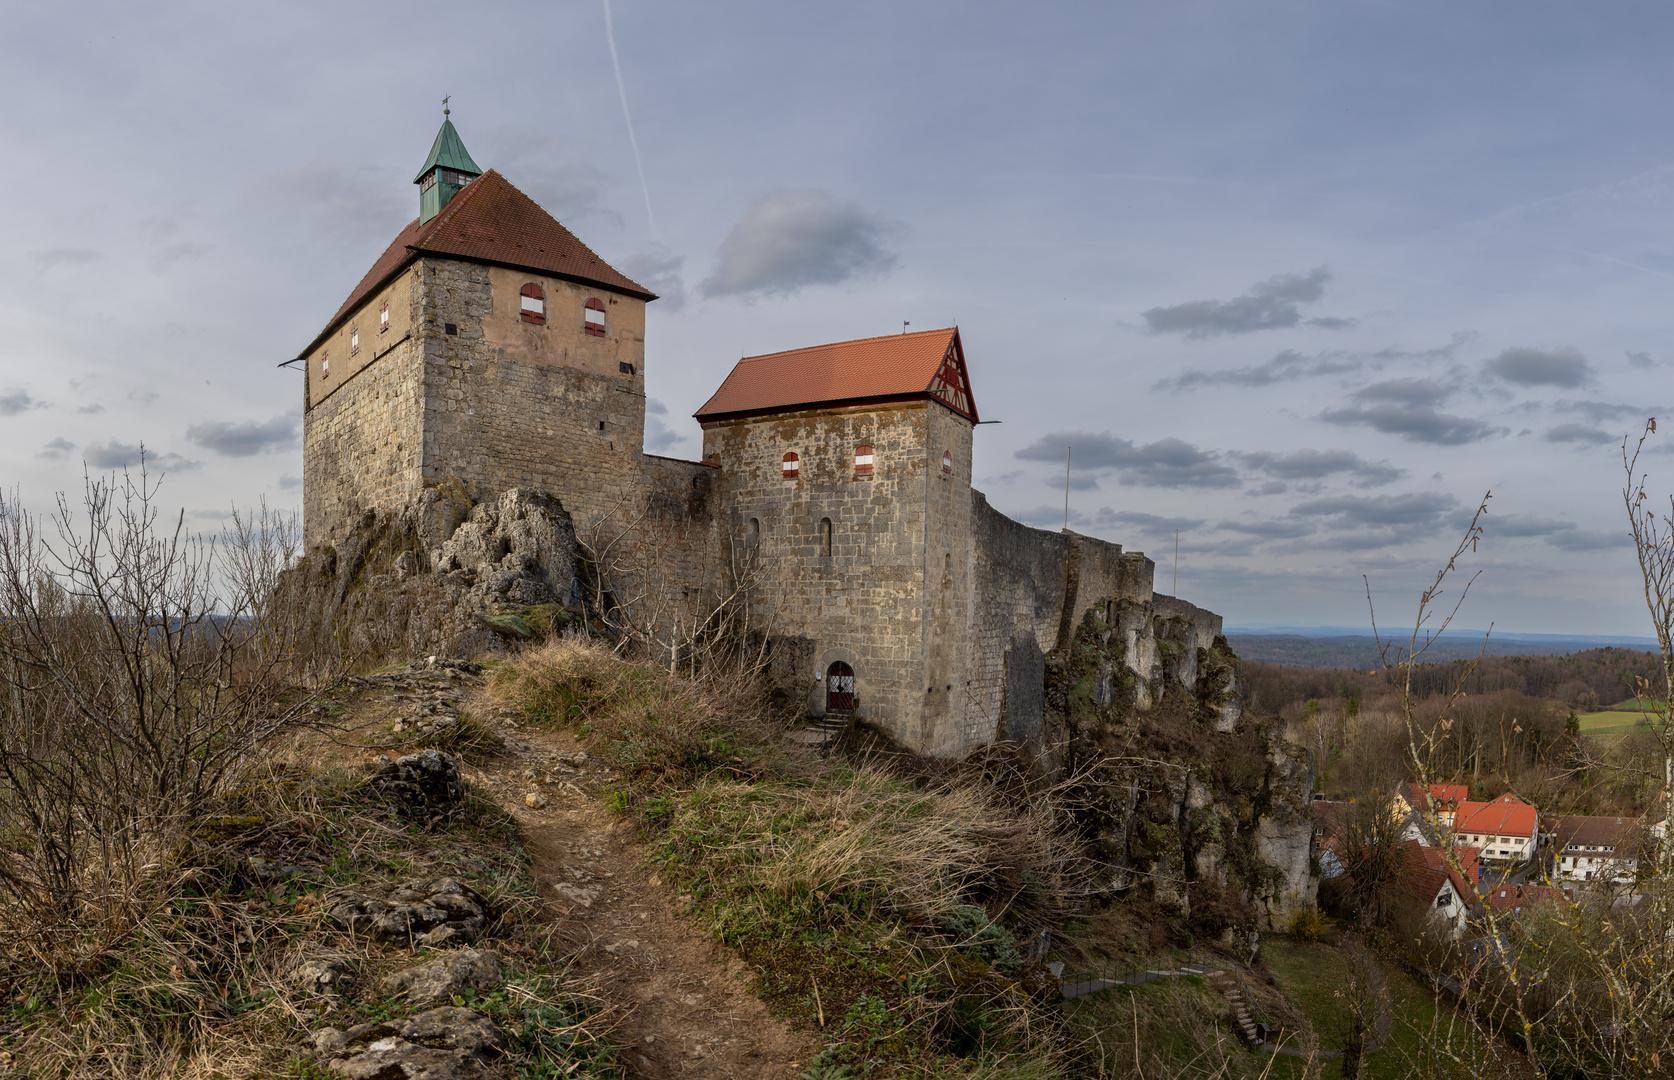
(1618, 720)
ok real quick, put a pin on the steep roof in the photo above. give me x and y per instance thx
(1512, 899)
(490, 221)
(449, 152)
(925, 364)
(1424, 870)
(1496, 818)
(1434, 797)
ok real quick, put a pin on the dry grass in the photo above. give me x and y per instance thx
(876, 902)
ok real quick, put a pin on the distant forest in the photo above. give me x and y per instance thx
(1361, 652)
(1585, 680)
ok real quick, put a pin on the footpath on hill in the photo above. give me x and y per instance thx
(683, 1005)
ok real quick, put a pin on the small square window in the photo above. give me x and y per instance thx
(624, 367)
(450, 328)
(383, 317)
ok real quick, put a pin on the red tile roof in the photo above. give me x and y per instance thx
(491, 221)
(1496, 818)
(1435, 797)
(1511, 899)
(1424, 870)
(925, 364)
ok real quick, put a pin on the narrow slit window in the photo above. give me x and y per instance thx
(825, 537)
(354, 341)
(862, 460)
(593, 318)
(791, 465)
(532, 304)
(947, 461)
(383, 316)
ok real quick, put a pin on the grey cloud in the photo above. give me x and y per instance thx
(1579, 433)
(1585, 540)
(1597, 411)
(290, 483)
(120, 455)
(1078, 481)
(1641, 359)
(655, 407)
(1332, 323)
(89, 410)
(1280, 529)
(1167, 462)
(1541, 367)
(1407, 407)
(659, 270)
(1271, 487)
(47, 258)
(1287, 366)
(353, 208)
(1349, 511)
(1318, 464)
(56, 450)
(1565, 535)
(245, 439)
(658, 437)
(16, 400)
(792, 239)
(1268, 305)
(1138, 521)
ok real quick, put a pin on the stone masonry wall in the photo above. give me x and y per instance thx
(864, 602)
(361, 441)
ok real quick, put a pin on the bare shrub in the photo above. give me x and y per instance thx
(138, 672)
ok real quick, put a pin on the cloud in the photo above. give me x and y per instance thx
(658, 437)
(245, 439)
(56, 450)
(658, 269)
(1580, 433)
(1165, 463)
(792, 239)
(1287, 366)
(119, 455)
(47, 258)
(1407, 407)
(1537, 367)
(1641, 359)
(1597, 411)
(1147, 524)
(1352, 511)
(89, 410)
(290, 483)
(1268, 305)
(353, 208)
(1279, 529)
(1318, 464)
(15, 400)
(1565, 535)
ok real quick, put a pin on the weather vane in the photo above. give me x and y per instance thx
(445, 109)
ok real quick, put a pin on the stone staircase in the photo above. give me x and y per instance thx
(1232, 989)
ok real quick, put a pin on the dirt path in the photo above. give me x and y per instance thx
(684, 1003)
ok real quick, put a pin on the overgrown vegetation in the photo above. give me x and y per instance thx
(877, 904)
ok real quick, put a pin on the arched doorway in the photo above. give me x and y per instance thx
(839, 688)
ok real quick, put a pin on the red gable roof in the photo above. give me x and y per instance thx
(1424, 870)
(896, 367)
(491, 221)
(1511, 899)
(1497, 818)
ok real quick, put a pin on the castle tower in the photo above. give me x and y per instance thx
(486, 346)
(846, 475)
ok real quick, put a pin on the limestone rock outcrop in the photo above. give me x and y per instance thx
(432, 911)
(438, 980)
(446, 1043)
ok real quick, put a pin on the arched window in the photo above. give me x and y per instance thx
(532, 306)
(325, 365)
(947, 461)
(839, 688)
(593, 317)
(383, 316)
(752, 533)
(825, 537)
(862, 460)
(790, 465)
(354, 341)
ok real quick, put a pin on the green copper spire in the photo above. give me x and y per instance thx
(448, 168)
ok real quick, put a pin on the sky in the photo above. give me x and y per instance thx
(1300, 280)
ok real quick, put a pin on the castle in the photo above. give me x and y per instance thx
(488, 349)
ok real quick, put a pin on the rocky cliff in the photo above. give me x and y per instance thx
(1193, 803)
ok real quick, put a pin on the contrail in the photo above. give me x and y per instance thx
(622, 91)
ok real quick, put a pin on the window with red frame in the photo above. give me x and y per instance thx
(383, 316)
(354, 341)
(593, 317)
(862, 460)
(792, 465)
(325, 365)
(532, 308)
(947, 461)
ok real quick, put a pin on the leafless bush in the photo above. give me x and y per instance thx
(140, 666)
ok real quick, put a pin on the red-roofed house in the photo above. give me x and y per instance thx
(1506, 830)
(1595, 848)
(1516, 899)
(1428, 886)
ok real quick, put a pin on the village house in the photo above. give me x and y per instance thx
(1431, 891)
(1594, 848)
(1506, 830)
(1426, 811)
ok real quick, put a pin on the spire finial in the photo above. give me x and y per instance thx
(445, 109)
